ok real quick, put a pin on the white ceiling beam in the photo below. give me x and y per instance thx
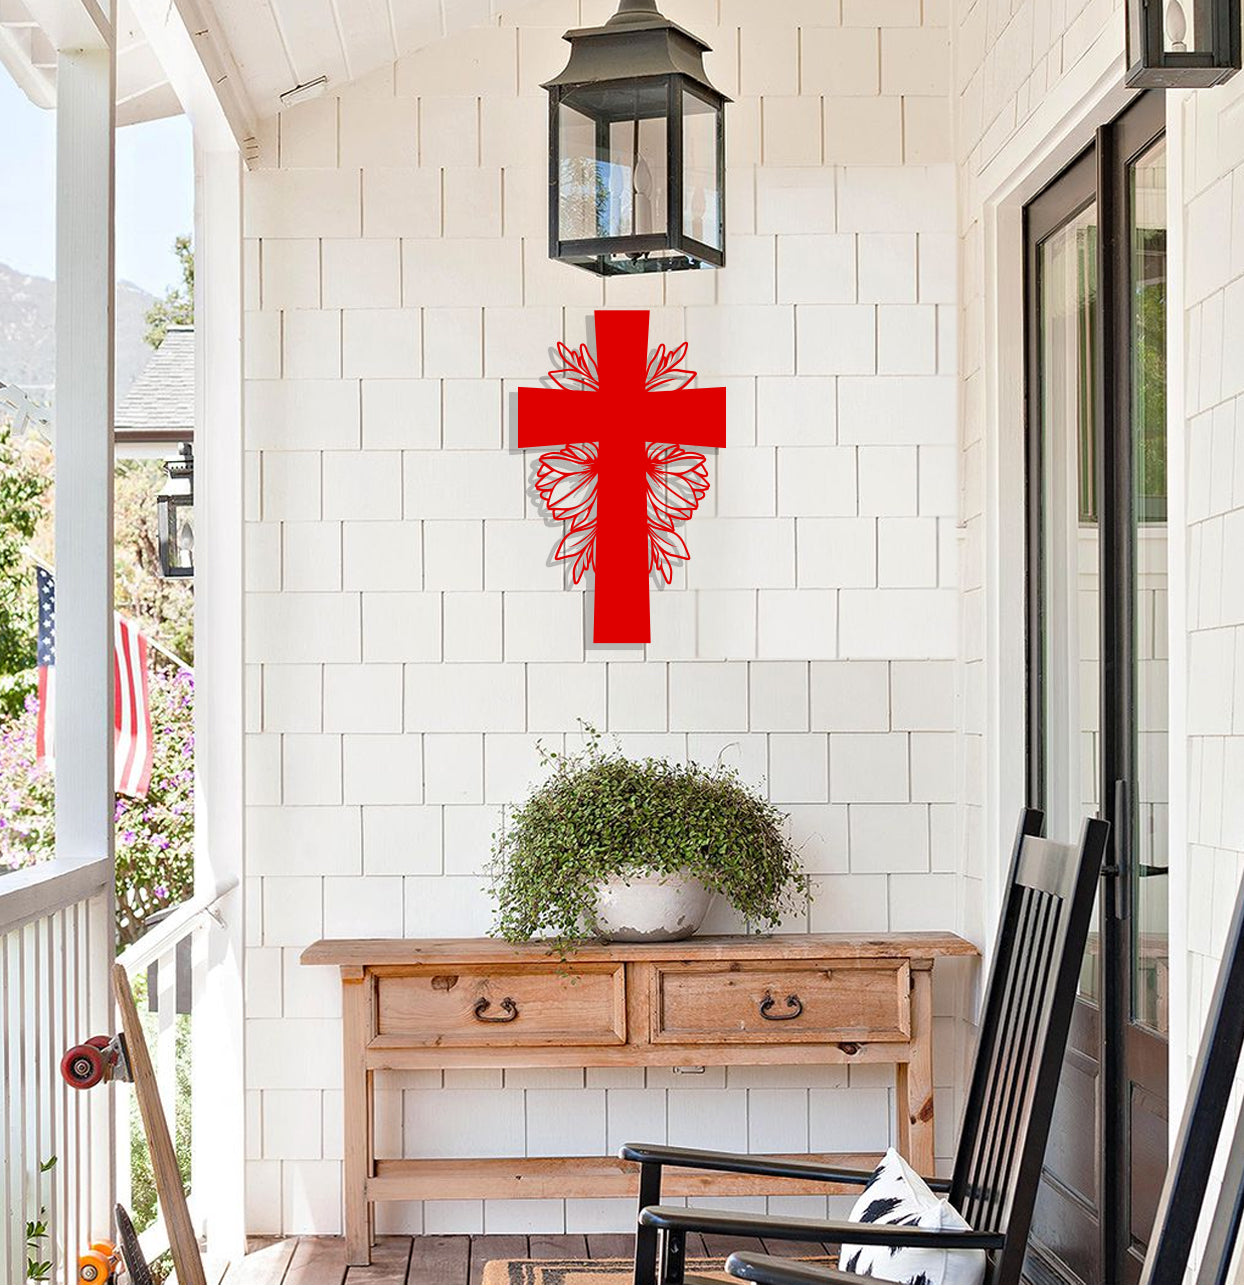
(191, 47)
(15, 57)
(72, 24)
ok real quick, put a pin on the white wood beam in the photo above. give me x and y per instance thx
(73, 24)
(189, 42)
(16, 57)
(85, 292)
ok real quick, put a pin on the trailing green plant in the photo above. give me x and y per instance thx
(38, 1270)
(600, 814)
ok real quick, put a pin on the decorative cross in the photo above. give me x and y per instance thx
(622, 488)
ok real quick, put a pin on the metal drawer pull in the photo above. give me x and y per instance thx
(508, 1015)
(793, 1003)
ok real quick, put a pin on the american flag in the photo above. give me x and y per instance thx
(131, 697)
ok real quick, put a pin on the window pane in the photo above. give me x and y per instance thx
(1067, 271)
(1150, 949)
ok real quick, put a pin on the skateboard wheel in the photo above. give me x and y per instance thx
(82, 1066)
(94, 1267)
(100, 1043)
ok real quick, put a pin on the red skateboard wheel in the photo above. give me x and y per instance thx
(100, 1043)
(82, 1066)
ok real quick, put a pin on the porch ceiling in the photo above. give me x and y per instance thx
(267, 46)
(277, 44)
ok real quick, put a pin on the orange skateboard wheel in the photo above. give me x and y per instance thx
(97, 1265)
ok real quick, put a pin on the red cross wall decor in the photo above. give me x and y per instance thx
(623, 479)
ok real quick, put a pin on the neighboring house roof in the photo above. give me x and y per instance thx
(160, 402)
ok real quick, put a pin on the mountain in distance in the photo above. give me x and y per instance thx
(28, 333)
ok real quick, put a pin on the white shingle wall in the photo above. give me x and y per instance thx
(408, 637)
(1213, 177)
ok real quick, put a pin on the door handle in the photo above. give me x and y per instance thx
(1121, 838)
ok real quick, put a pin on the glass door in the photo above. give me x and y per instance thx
(1064, 652)
(1097, 670)
(1146, 985)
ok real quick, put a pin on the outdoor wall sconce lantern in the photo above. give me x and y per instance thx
(1182, 44)
(175, 516)
(637, 149)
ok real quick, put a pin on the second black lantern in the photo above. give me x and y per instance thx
(1182, 44)
(637, 149)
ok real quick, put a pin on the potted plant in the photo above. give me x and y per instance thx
(636, 850)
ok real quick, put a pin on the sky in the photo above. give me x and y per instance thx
(155, 192)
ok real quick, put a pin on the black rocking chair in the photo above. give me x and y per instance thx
(1189, 1176)
(1027, 1013)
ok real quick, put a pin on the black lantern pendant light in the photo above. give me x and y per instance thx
(175, 516)
(1182, 44)
(637, 149)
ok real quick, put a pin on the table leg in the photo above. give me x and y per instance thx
(355, 1115)
(915, 1079)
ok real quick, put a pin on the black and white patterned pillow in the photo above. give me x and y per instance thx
(897, 1195)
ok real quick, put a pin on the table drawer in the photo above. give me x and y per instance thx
(782, 1002)
(545, 1005)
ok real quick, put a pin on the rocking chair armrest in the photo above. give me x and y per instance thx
(791, 1168)
(756, 1267)
(801, 1229)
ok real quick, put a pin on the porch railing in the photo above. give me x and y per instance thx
(56, 1173)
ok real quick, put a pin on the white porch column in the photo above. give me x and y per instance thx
(84, 541)
(219, 1131)
(213, 99)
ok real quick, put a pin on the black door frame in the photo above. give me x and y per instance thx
(1099, 174)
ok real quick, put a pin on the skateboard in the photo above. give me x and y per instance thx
(135, 1262)
(102, 1261)
(125, 1057)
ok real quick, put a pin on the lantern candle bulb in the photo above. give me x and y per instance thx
(1177, 26)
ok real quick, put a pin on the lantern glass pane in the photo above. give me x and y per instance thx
(612, 169)
(581, 193)
(701, 215)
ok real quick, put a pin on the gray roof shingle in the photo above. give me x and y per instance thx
(162, 398)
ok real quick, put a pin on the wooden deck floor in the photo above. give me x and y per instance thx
(453, 1258)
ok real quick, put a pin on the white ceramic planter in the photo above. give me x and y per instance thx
(651, 909)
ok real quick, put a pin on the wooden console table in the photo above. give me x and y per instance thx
(467, 1003)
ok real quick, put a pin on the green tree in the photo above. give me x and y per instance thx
(22, 488)
(177, 306)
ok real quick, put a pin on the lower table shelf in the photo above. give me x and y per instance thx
(410, 1179)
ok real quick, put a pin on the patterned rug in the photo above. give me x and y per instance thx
(553, 1273)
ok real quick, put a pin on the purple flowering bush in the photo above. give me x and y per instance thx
(155, 836)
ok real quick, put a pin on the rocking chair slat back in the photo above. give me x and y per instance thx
(1032, 986)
